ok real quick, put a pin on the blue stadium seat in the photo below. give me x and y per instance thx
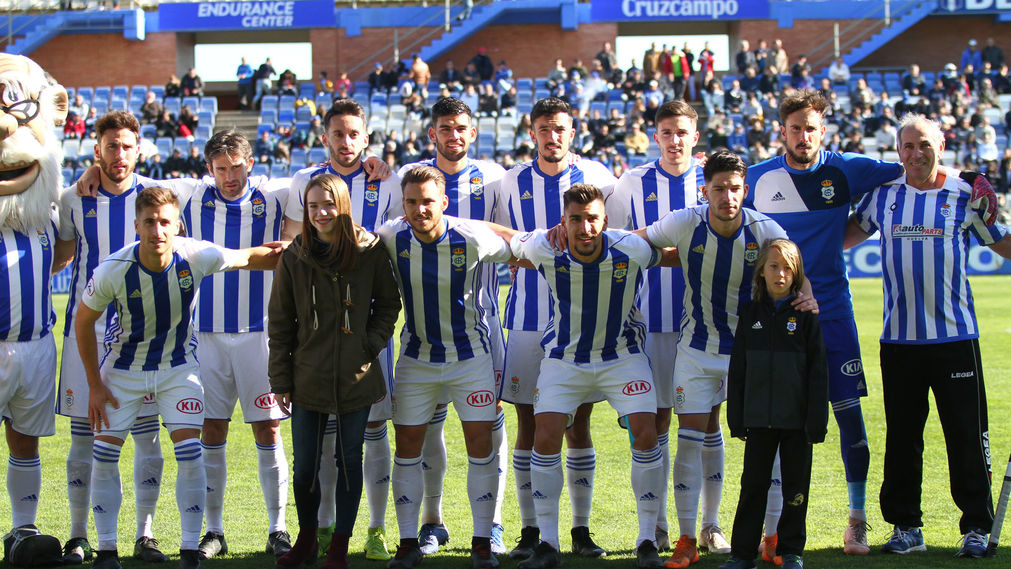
(307, 89)
(279, 170)
(323, 100)
(148, 131)
(268, 116)
(192, 102)
(541, 93)
(261, 169)
(264, 127)
(68, 176)
(121, 91)
(118, 104)
(209, 104)
(138, 91)
(70, 148)
(317, 155)
(378, 98)
(361, 87)
(164, 146)
(286, 115)
(303, 113)
(268, 103)
(172, 105)
(101, 106)
(183, 144)
(486, 141)
(299, 157)
(102, 93)
(134, 107)
(598, 106)
(158, 90)
(203, 131)
(287, 102)
(362, 97)
(541, 83)
(200, 142)
(206, 117)
(70, 93)
(87, 93)
(87, 148)
(524, 84)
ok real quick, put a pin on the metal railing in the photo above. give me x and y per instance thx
(874, 19)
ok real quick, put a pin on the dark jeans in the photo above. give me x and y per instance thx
(307, 429)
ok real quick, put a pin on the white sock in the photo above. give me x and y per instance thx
(500, 443)
(79, 476)
(712, 477)
(688, 478)
(377, 475)
(24, 482)
(774, 502)
(273, 469)
(647, 478)
(663, 441)
(191, 491)
(581, 463)
(546, 489)
(482, 477)
(521, 472)
(216, 469)
(106, 493)
(433, 466)
(408, 488)
(326, 515)
(147, 468)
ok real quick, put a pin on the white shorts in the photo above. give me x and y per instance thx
(72, 397)
(382, 410)
(626, 383)
(522, 366)
(28, 385)
(233, 367)
(700, 380)
(497, 346)
(661, 348)
(178, 397)
(470, 384)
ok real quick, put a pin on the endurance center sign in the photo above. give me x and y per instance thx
(256, 15)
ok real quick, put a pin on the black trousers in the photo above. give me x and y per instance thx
(795, 461)
(954, 372)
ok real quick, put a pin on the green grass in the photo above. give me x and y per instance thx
(613, 518)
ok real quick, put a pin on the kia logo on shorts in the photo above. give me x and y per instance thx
(480, 398)
(190, 406)
(852, 367)
(637, 387)
(266, 401)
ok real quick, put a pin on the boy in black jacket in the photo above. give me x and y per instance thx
(777, 399)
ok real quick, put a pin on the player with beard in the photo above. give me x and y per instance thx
(372, 204)
(472, 189)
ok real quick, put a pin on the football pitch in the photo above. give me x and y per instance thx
(613, 519)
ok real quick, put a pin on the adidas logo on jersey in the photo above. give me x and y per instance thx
(76, 483)
(136, 293)
(209, 203)
(647, 497)
(405, 254)
(651, 197)
(700, 249)
(403, 501)
(91, 213)
(30, 498)
(154, 482)
(779, 197)
(98, 509)
(756, 326)
(486, 498)
(776, 482)
(582, 482)
(526, 195)
(194, 509)
(718, 477)
(538, 496)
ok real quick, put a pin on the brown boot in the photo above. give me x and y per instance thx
(337, 555)
(303, 553)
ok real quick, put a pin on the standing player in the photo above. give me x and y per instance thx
(808, 191)
(92, 227)
(149, 348)
(439, 261)
(472, 189)
(372, 203)
(930, 340)
(650, 191)
(531, 198)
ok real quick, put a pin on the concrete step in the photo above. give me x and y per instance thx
(242, 121)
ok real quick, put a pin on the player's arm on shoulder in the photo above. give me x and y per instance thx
(376, 169)
(183, 188)
(866, 173)
(805, 301)
(261, 258)
(506, 234)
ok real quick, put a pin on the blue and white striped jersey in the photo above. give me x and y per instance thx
(812, 206)
(372, 203)
(26, 261)
(153, 327)
(924, 251)
(594, 317)
(236, 301)
(717, 271)
(440, 284)
(651, 193)
(529, 200)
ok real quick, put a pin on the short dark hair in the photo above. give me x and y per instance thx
(450, 107)
(549, 106)
(676, 108)
(154, 197)
(421, 174)
(723, 161)
(802, 99)
(581, 194)
(341, 107)
(117, 120)
(227, 142)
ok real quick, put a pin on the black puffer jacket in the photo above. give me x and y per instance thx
(326, 327)
(778, 376)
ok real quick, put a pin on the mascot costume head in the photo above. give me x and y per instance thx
(32, 105)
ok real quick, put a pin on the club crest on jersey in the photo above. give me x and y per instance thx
(185, 279)
(259, 207)
(620, 270)
(679, 396)
(827, 190)
(945, 210)
(751, 252)
(68, 398)
(476, 187)
(459, 258)
(371, 192)
(514, 385)
(537, 396)
(791, 325)
(43, 239)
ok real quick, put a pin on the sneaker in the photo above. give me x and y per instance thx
(712, 539)
(793, 562)
(481, 556)
(146, 549)
(407, 556)
(662, 539)
(686, 552)
(738, 563)
(189, 559)
(972, 544)
(323, 537)
(647, 557)
(904, 540)
(582, 543)
(212, 544)
(431, 536)
(107, 560)
(526, 543)
(76, 551)
(278, 543)
(544, 557)
(498, 539)
(768, 549)
(375, 545)
(855, 538)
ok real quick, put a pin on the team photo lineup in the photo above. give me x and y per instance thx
(702, 295)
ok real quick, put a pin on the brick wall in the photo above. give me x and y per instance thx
(83, 60)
